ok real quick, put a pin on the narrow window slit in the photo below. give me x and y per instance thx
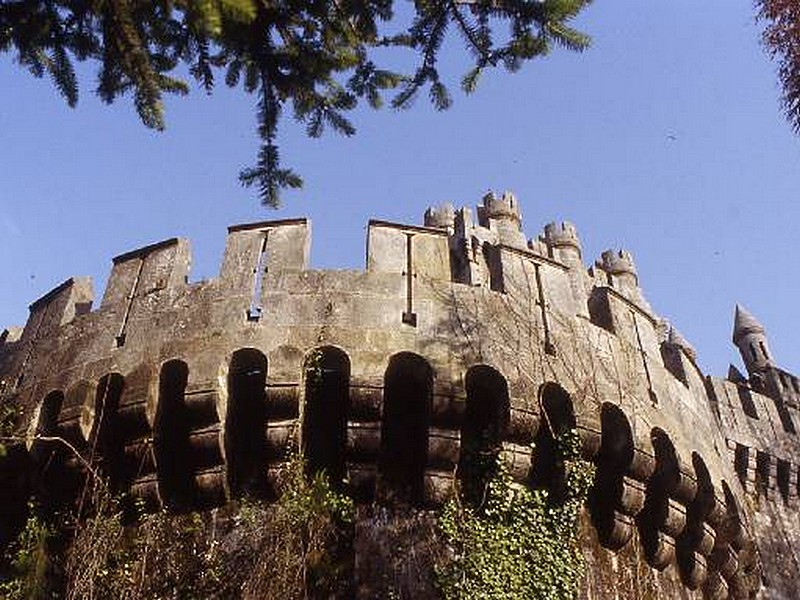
(255, 308)
(409, 317)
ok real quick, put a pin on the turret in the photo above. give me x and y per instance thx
(751, 339)
(441, 217)
(502, 216)
(564, 245)
(621, 272)
(563, 242)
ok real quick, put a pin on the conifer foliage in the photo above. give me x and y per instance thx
(313, 56)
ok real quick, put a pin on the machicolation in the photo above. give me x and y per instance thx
(460, 336)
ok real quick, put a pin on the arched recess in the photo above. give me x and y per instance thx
(734, 554)
(612, 521)
(171, 438)
(245, 423)
(557, 418)
(407, 397)
(108, 443)
(43, 451)
(731, 529)
(327, 404)
(485, 424)
(75, 419)
(696, 541)
(49, 455)
(655, 521)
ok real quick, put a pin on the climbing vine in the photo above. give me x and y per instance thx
(28, 565)
(292, 548)
(304, 541)
(517, 543)
(9, 416)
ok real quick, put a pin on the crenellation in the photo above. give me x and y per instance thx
(56, 308)
(563, 241)
(677, 340)
(152, 268)
(621, 273)
(254, 250)
(10, 335)
(539, 247)
(441, 217)
(455, 314)
(504, 206)
(501, 215)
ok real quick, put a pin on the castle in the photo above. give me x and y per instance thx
(459, 332)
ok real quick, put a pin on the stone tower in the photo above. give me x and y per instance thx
(751, 339)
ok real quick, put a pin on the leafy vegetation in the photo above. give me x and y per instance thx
(9, 414)
(286, 549)
(517, 543)
(316, 56)
(30, 567)
(507, 542)
(303, 552)
(781, 38)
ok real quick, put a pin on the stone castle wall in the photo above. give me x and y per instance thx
(187, 395)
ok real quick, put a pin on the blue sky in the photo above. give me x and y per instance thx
(664, 138)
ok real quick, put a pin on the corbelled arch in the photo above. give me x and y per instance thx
(325, 412)
(735, 552)
(557, 418)
(484, 427)
(661, 520)
(171, 438)
(614, 499)
(67, 416)
(77, 414)
(694, 544)
(407, 398)
(47, 425)
(107, 438)
(50, 455)
(245, 423)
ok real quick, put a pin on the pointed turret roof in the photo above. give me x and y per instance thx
(745, 323)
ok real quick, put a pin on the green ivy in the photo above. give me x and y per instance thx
(29, 564)
(287, 549)
(9, 415)
(517, 544)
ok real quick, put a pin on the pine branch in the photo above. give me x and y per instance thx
(317, 56)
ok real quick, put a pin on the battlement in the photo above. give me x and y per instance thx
(617, 263)
(677, 340)
(564, 234)
(504, 206)
(440, 217)
(446, 319)
(263, 260)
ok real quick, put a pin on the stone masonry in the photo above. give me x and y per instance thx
(187, 395)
